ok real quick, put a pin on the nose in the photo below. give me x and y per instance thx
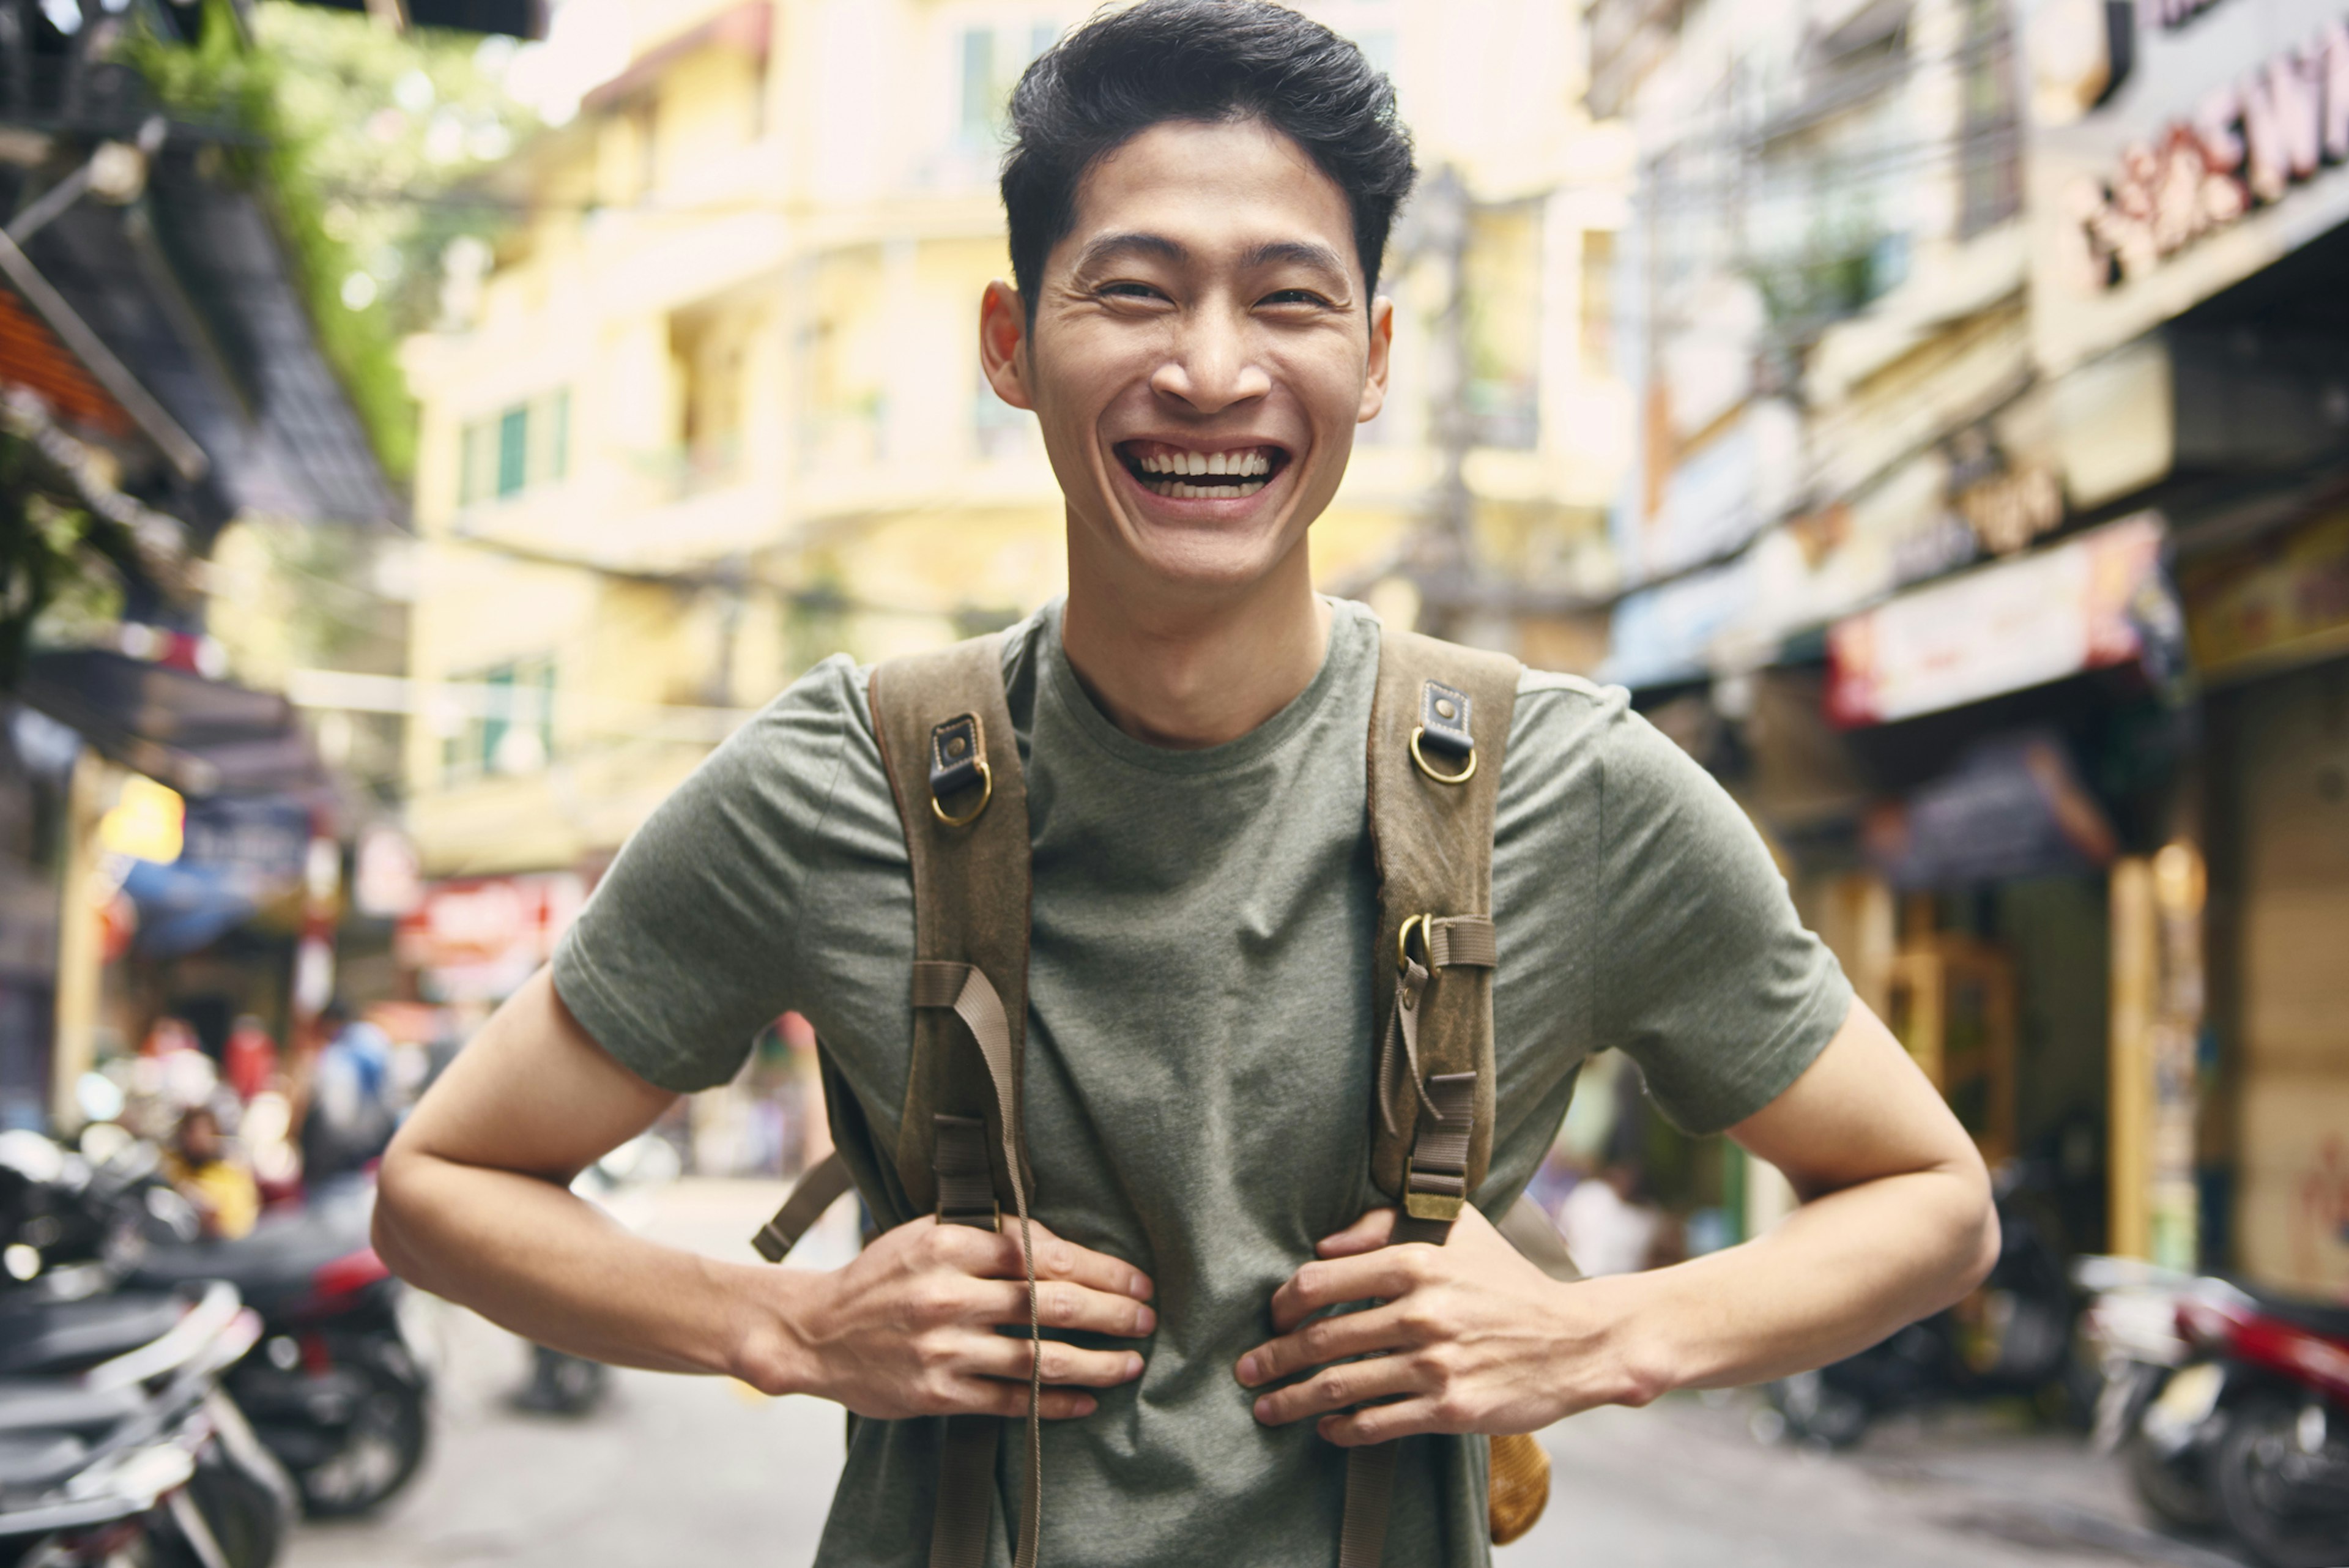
(1212, 364)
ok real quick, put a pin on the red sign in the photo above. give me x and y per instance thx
(478, 939)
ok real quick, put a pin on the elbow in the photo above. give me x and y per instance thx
(1978, 1239)
(394, 1195)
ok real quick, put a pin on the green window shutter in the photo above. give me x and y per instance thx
(513, 451)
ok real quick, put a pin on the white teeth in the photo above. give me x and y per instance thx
(1217, 464)
(1199, 462)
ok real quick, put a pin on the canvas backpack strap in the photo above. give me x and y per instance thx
(945, 738)
(1439, 725)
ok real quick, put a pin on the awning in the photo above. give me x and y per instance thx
(200, 736)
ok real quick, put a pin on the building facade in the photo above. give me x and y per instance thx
(1985, 537)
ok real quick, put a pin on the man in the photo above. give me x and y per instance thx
(199, 1164)
(1199, 197)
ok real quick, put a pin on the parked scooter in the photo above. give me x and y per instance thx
(334, 1388)
(2012, 1337)
(2233, 1414)
(117, 1446)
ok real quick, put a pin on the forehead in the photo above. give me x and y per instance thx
(1217, 189)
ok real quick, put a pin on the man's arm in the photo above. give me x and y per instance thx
(1896, 1222)
(475, 1205)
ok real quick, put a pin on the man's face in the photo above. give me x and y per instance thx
(1202, 350)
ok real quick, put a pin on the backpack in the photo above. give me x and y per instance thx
(1439, 721)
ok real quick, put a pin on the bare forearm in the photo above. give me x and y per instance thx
(1839, 1274)
(530, 1256)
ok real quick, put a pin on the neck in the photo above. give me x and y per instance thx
(1191, 674)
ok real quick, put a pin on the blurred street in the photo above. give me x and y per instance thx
(691, 1470)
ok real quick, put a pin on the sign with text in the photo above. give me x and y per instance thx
(2196, 145)
(2088, 603)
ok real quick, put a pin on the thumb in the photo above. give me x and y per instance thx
(1366, 1234)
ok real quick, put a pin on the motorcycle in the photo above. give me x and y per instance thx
(117, 1449)
(2012, 1337)
(2230, 1406)
(333, 1389)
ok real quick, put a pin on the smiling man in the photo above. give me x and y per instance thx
(1199, 194)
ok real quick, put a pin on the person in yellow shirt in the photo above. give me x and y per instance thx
(200, 1166)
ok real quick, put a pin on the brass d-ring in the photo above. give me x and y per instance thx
(986, 794)
(1463, 776)
(1425, 923)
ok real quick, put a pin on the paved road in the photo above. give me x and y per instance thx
(698, 1471)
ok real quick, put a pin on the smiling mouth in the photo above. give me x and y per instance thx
(1182, 475)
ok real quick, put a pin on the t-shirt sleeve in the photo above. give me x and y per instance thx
(681, 956)
(1711, 983)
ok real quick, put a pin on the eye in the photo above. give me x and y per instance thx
(1127, 289)
(1294, 297)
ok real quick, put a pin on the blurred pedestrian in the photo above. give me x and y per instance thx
(346, 1117)
(1607, 1227)
(202, 1164)
(249, 1064)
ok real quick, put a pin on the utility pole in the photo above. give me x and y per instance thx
(1441, 560)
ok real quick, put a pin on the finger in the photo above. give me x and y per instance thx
(1382, 1423)
(1366, 1234)
(1331, 1281)
(995, 1396)
(1064, 1364)
(996, 1255)
(1060, 1304)
(1322, 1340)
(1338, 1388)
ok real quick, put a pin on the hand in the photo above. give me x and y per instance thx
(908, 1329)
(1467, 1337)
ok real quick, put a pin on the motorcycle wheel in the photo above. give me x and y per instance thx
(382, 1447)
(2173, 1488)
(2258, 1495)
(247, 1519)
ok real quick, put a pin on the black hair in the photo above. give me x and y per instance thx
(1126, 70)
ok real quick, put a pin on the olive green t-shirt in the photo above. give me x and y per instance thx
(1199, 1048)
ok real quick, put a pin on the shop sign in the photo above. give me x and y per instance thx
(2279, 602)
(2217, 146)
(478, 939)
(2088, 603)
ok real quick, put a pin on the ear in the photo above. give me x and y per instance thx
(1002, 338)
(1374, 378)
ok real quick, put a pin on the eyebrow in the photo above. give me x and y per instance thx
(1300, 252)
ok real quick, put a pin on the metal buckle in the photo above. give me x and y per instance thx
(986, 794)
(1420, 757)
(1425, 923)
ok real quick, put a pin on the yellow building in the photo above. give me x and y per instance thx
(715, 410)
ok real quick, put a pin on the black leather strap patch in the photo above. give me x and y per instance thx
(1443, 718)
(957, 748)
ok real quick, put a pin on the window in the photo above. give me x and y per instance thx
(518, 447)
(981, 103)
(989, 61)
(1504, 325)
(508, 725)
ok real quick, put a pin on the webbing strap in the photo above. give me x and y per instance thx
(1438, 1169)
(966, 1490)
(818, 1187)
